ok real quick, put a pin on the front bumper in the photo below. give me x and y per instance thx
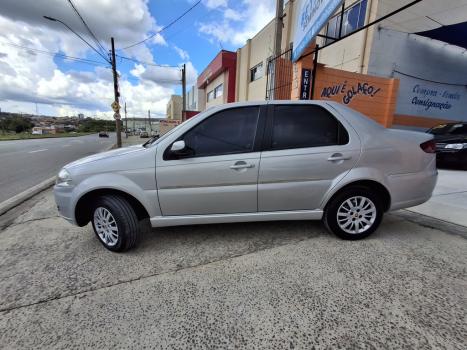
(63, 199)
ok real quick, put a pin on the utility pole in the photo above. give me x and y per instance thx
(116, 95)
(313, 76)
(184, 92)
(149, 119)
(279, 25)
(126, 123)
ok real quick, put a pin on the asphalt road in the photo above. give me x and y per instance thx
(276, 285)
(25, 163)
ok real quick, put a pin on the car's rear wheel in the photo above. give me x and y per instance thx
(354, 213)
(115, 223)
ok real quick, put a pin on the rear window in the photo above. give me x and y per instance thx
(449, 129)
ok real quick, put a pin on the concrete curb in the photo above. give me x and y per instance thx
(30, 192)
(25, 195)
(431, 222)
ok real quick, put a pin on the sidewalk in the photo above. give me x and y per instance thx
(449, 201)
(132, 140)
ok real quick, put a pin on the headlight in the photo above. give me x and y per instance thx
(456, 145)
(63, 178)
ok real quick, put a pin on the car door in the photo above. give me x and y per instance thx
(220, 175)
(306, 150)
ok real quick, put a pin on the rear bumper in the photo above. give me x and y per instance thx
(408, 190)
(454, 157)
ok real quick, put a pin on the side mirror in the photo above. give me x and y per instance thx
(178, 146)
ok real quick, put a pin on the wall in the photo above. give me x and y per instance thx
(432, 74)
(373, 96)
(351, 54)
(192, 99)
(223, 78)
(222, 69)
(174, 107)
(259, 49)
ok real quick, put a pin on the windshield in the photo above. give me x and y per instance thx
(155, 141)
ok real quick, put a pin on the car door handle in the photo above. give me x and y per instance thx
(337, 157)
(242, 165)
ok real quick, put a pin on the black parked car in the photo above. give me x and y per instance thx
(451, 144)
(103, 134)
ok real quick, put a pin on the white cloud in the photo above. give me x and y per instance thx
(29, 77)
(233, 15)
(158, 74)
(182, 53)
(212, 4)
(191, 74)
(240, 24)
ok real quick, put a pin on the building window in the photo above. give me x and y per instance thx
(354, 18)
(218, 91)
(256, 72)
(210, 95)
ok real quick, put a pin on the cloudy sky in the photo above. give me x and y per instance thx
(34, 72)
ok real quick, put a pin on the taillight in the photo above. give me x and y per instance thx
(428, 146)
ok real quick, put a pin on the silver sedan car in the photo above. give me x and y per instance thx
(275, 160)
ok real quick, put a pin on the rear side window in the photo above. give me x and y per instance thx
(301, 126)
(227, 132)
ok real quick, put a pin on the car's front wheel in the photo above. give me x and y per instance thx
(115, 223)
(354, 213)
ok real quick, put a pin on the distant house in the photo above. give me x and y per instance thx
(43, 130)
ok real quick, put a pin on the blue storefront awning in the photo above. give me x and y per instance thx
(454, 34)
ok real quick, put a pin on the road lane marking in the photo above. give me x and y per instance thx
(39, 150)
(66, 145)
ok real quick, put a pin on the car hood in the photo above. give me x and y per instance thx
(106, 155)
(451, 138)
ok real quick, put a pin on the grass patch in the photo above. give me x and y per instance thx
(28, 136)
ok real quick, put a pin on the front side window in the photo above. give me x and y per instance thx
(301, 126)
(227, 132)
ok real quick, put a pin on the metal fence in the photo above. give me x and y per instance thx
(279, 76)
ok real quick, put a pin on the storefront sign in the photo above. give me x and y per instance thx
(310, 18)
(305, 84)
(423, 98)
(348, 92)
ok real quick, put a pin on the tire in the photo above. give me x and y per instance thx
(115, 223)
(360, 213)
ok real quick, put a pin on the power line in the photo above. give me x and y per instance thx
(146, 63)
(96, 41)
(163, 28)
(429, 80)
(50, 53)
(79, 36)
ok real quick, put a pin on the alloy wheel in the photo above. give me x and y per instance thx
(106, 226)
(356, 215)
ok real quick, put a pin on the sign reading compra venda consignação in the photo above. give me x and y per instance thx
(310, 17)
